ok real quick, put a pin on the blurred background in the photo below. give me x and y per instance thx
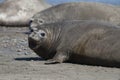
(114, 2)
(1, 0)
(54, 2)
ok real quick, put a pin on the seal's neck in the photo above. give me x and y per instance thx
(54, 38)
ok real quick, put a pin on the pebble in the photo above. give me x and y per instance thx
(15, 43)
(18, 53)
(19, 50)
(5, 46)
(26, 53)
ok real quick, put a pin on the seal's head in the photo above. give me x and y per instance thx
(49, 15)
(43, 42)
(38, 43)
(36, 38)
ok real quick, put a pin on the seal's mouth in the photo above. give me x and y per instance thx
(32, 43)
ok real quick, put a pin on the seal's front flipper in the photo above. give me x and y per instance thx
(60, 57)
(52, 61)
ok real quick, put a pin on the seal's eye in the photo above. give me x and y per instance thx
(40, 21)
(42, 34)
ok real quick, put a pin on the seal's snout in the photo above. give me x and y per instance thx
(32, 40)
(32, 43)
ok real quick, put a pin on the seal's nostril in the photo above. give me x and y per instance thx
(31, 30)
(30, 22)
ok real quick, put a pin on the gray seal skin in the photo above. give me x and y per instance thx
(19, 12)
(89, 42)
(77, 11)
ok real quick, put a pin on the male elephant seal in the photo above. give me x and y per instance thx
(78, 11)
(89, 42)
(18, 12)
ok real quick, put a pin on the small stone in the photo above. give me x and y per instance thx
(5, 46)
(22, 40)
(25, 48)
(26, 53)
(14, 40)
(19, 50)
(18, 53)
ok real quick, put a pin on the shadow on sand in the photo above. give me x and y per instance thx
(29, 59)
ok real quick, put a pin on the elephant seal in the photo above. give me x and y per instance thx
(89, 42)
(19, 12)
(77, 11)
